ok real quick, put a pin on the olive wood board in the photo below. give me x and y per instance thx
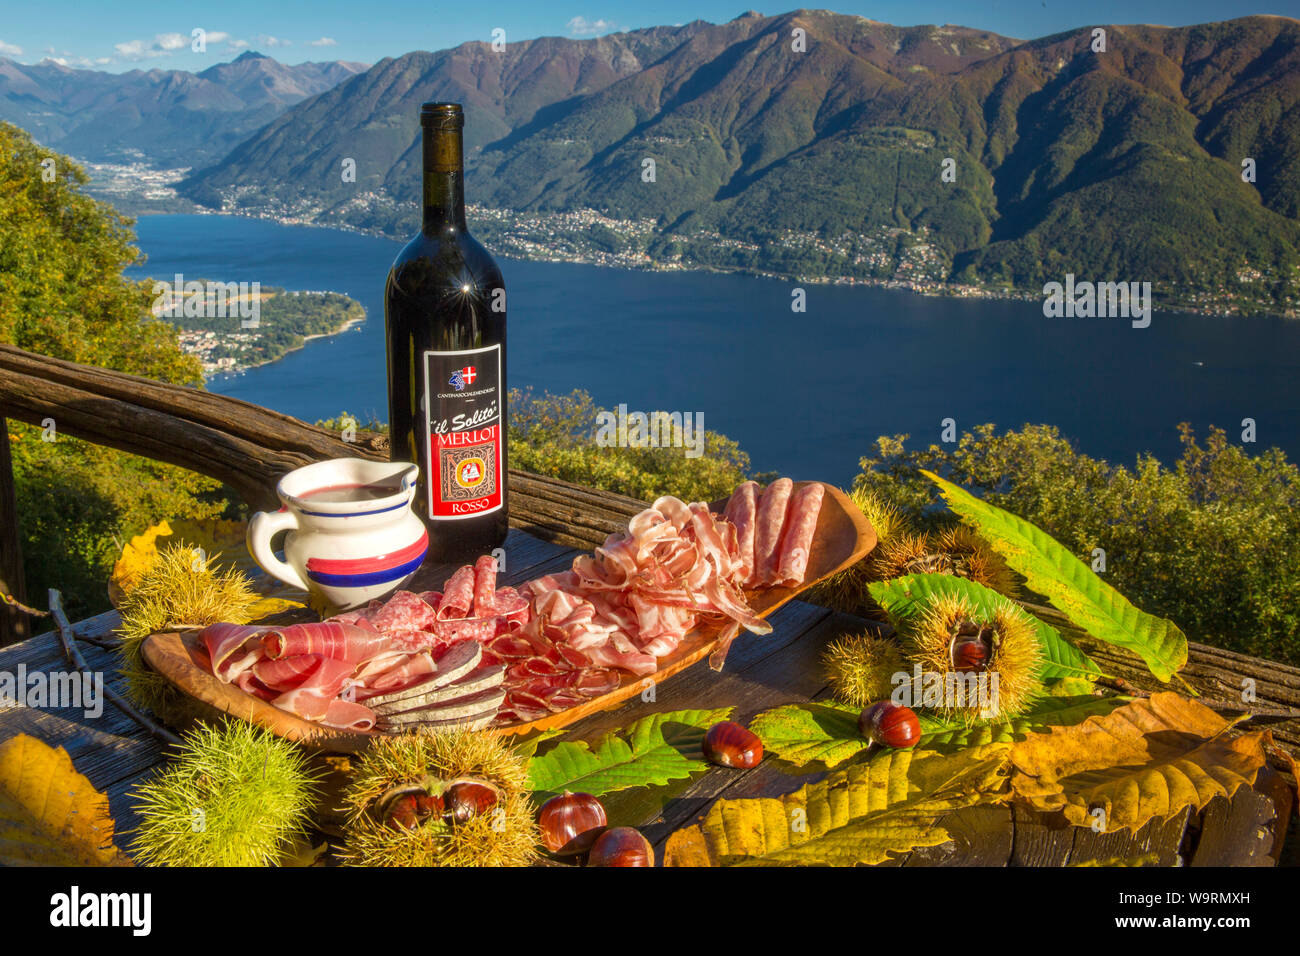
(843, 537)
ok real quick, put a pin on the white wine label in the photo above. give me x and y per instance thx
(462, 401)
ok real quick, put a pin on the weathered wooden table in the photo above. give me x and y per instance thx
(761, 672)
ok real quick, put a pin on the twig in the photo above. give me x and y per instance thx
(14, 602)
(104, 644)
(1252, 713)
(67, 637)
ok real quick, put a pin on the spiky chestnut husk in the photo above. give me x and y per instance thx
(861, 667)
(847, 590)
(182, 586)
(1015, 656)
(434, 759)
(236, 795)
(958, 551)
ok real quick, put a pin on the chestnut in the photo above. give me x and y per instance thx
(571, 822)
(728, 744)
(890, 724)
(969, 655)
(403, 812)
(972, 647)
(621, 846)
(467, 799)
(428, 804)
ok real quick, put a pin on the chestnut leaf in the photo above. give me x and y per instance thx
(650, 752)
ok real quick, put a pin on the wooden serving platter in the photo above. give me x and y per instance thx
(843, 537)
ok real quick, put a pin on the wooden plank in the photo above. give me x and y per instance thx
(980, 836)
(1040, 839)
(1247, 830)
(1163, 839)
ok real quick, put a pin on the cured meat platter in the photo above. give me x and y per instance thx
(842, 536)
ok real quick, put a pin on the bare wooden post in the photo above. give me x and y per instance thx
(14, 625)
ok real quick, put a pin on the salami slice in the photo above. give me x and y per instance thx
(470, 629)
(458, 596)
(796, 543)
(405, 611)
(772, 507)
(485, 584)
(742, 511)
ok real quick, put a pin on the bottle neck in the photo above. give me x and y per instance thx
(444, 181)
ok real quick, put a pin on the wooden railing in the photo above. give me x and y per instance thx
(246, 446)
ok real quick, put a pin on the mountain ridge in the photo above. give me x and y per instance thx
(166, 117)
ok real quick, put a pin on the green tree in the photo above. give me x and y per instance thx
(63, 294)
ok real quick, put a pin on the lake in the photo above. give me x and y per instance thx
(805, 394)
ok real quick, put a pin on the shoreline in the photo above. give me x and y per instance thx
(239, 370)
(929, 287)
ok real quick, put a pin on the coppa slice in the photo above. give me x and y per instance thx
(473, 722)
(480, 679)
(460, 708)
(458, 661)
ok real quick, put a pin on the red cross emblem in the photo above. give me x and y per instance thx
(468, 374)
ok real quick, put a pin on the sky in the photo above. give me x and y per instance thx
(124, 35)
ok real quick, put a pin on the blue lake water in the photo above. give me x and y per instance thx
(804, 394)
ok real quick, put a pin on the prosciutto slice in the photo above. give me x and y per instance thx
(340, 642)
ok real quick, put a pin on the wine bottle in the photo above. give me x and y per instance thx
(445, 320)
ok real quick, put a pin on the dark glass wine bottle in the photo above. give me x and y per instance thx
(445, 318)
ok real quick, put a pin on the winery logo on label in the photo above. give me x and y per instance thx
(462, 377)
(464, 428)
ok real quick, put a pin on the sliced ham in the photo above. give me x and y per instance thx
(340, 642)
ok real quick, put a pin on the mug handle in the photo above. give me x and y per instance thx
(261, 532)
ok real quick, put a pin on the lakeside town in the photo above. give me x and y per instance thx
(884, 257)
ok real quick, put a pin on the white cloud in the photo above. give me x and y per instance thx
(323, 41)
(9, 49)
(237, 45)
(263, 39)
(581, 26)
(217, 36)
(161, 45)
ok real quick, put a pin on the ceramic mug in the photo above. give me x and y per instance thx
(349, 538)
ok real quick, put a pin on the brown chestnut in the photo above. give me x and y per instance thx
(972, 647)
(728, 744)
(403, 813)
(890, 724)
(621, 846)
(571, 822)
(467, 799)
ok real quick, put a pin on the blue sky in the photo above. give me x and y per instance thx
(124, 35)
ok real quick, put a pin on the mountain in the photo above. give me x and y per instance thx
(165, 118)
(1117, 165)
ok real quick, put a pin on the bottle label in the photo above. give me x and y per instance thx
(463, 404)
